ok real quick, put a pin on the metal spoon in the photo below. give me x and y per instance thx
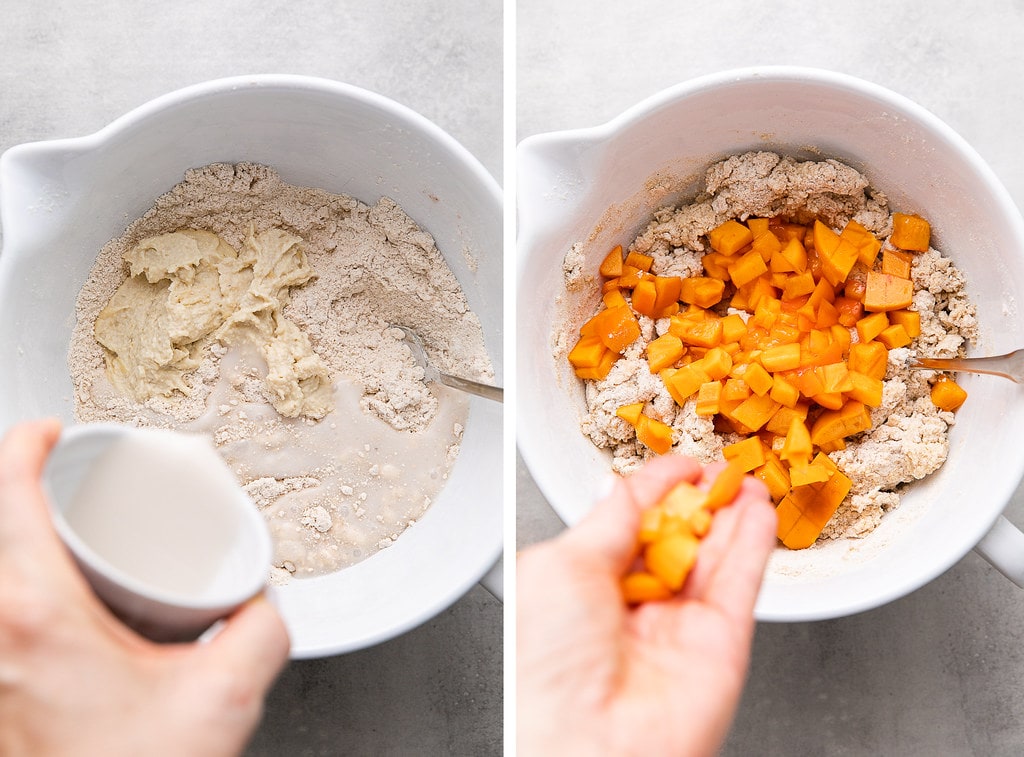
(432, 374)
(1009, 366)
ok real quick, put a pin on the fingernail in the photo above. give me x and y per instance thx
(607, 485)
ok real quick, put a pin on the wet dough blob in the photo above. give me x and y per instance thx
(189, 289)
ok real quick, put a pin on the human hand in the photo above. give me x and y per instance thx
(598, 677)
(75, 681)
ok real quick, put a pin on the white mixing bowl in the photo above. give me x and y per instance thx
(600, 187)
(61, 201)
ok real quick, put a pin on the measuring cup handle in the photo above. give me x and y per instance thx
(1003, 547)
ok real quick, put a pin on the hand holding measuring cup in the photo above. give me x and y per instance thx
(75, 676)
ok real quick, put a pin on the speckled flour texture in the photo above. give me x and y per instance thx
(340, 274)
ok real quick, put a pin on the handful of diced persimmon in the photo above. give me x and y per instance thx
(782, 369)
(670, 534)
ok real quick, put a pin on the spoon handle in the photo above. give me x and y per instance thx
(1009, 366)
(487, 391)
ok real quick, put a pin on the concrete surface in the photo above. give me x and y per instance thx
(68, 68)
(940, 672)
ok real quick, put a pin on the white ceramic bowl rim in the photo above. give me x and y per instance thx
(446, 164)
(538, 228)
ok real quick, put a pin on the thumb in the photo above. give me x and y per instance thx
(253, 644)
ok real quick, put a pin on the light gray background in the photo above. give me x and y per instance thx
(940, 672)
(68, 68)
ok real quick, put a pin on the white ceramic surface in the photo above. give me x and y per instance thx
(600, 186)
(161, 613)
(61, 201)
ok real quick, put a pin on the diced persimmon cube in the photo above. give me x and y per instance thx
(617, 327)
(631, 413)
(758, 379)
(773, 474)
(837, 264)
(641, 586)
(601, 370)
(613, 298)
(797, 447)
(631, 275)
(864, 241)
(726, 486)
(683, 500)
(805, 474)
(709, 397)
(716, 265)
(685, 382)
(671, 558)
(733, 328)
(779, 423)
(869, 358)
(781, 357)
(651, 521)
(704, 333)
(731, 237)
(850, 419)
(654, 434)
(910, 232)
(758, 226)
(793, 252)
(826, 316)
(825, 240)
(784, 392)
(766, 246)
(787, 516)
(639, 260)
(854, 289)
(735, 390)
(748, 453)
(755, 411)
(870, 326)
(667, 290)
(947, 394)
(717, 363)
(747, 268)
(611, 266)
(835, 377)
(908, 319)
(897, 263)
(848, 311)
(588, 352)
(664, 352)
(644, 296)
(883, 291)
(798, 285)
(865, 389)
(702, 291)
(895, 336)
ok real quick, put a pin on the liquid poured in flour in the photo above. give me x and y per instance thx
(333, 492)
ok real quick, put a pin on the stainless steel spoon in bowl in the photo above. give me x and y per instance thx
(1009, 366)
(432, 374)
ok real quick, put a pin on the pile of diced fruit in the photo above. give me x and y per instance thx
(782, 369)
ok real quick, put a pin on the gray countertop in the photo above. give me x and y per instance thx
(69, 68)
(939, 672)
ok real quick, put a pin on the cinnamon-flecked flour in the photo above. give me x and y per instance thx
(261, 314)
(909, 437)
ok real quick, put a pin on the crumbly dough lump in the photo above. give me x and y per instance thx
(910, 435)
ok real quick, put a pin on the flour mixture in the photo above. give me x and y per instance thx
(909, 435)
(260, 313)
